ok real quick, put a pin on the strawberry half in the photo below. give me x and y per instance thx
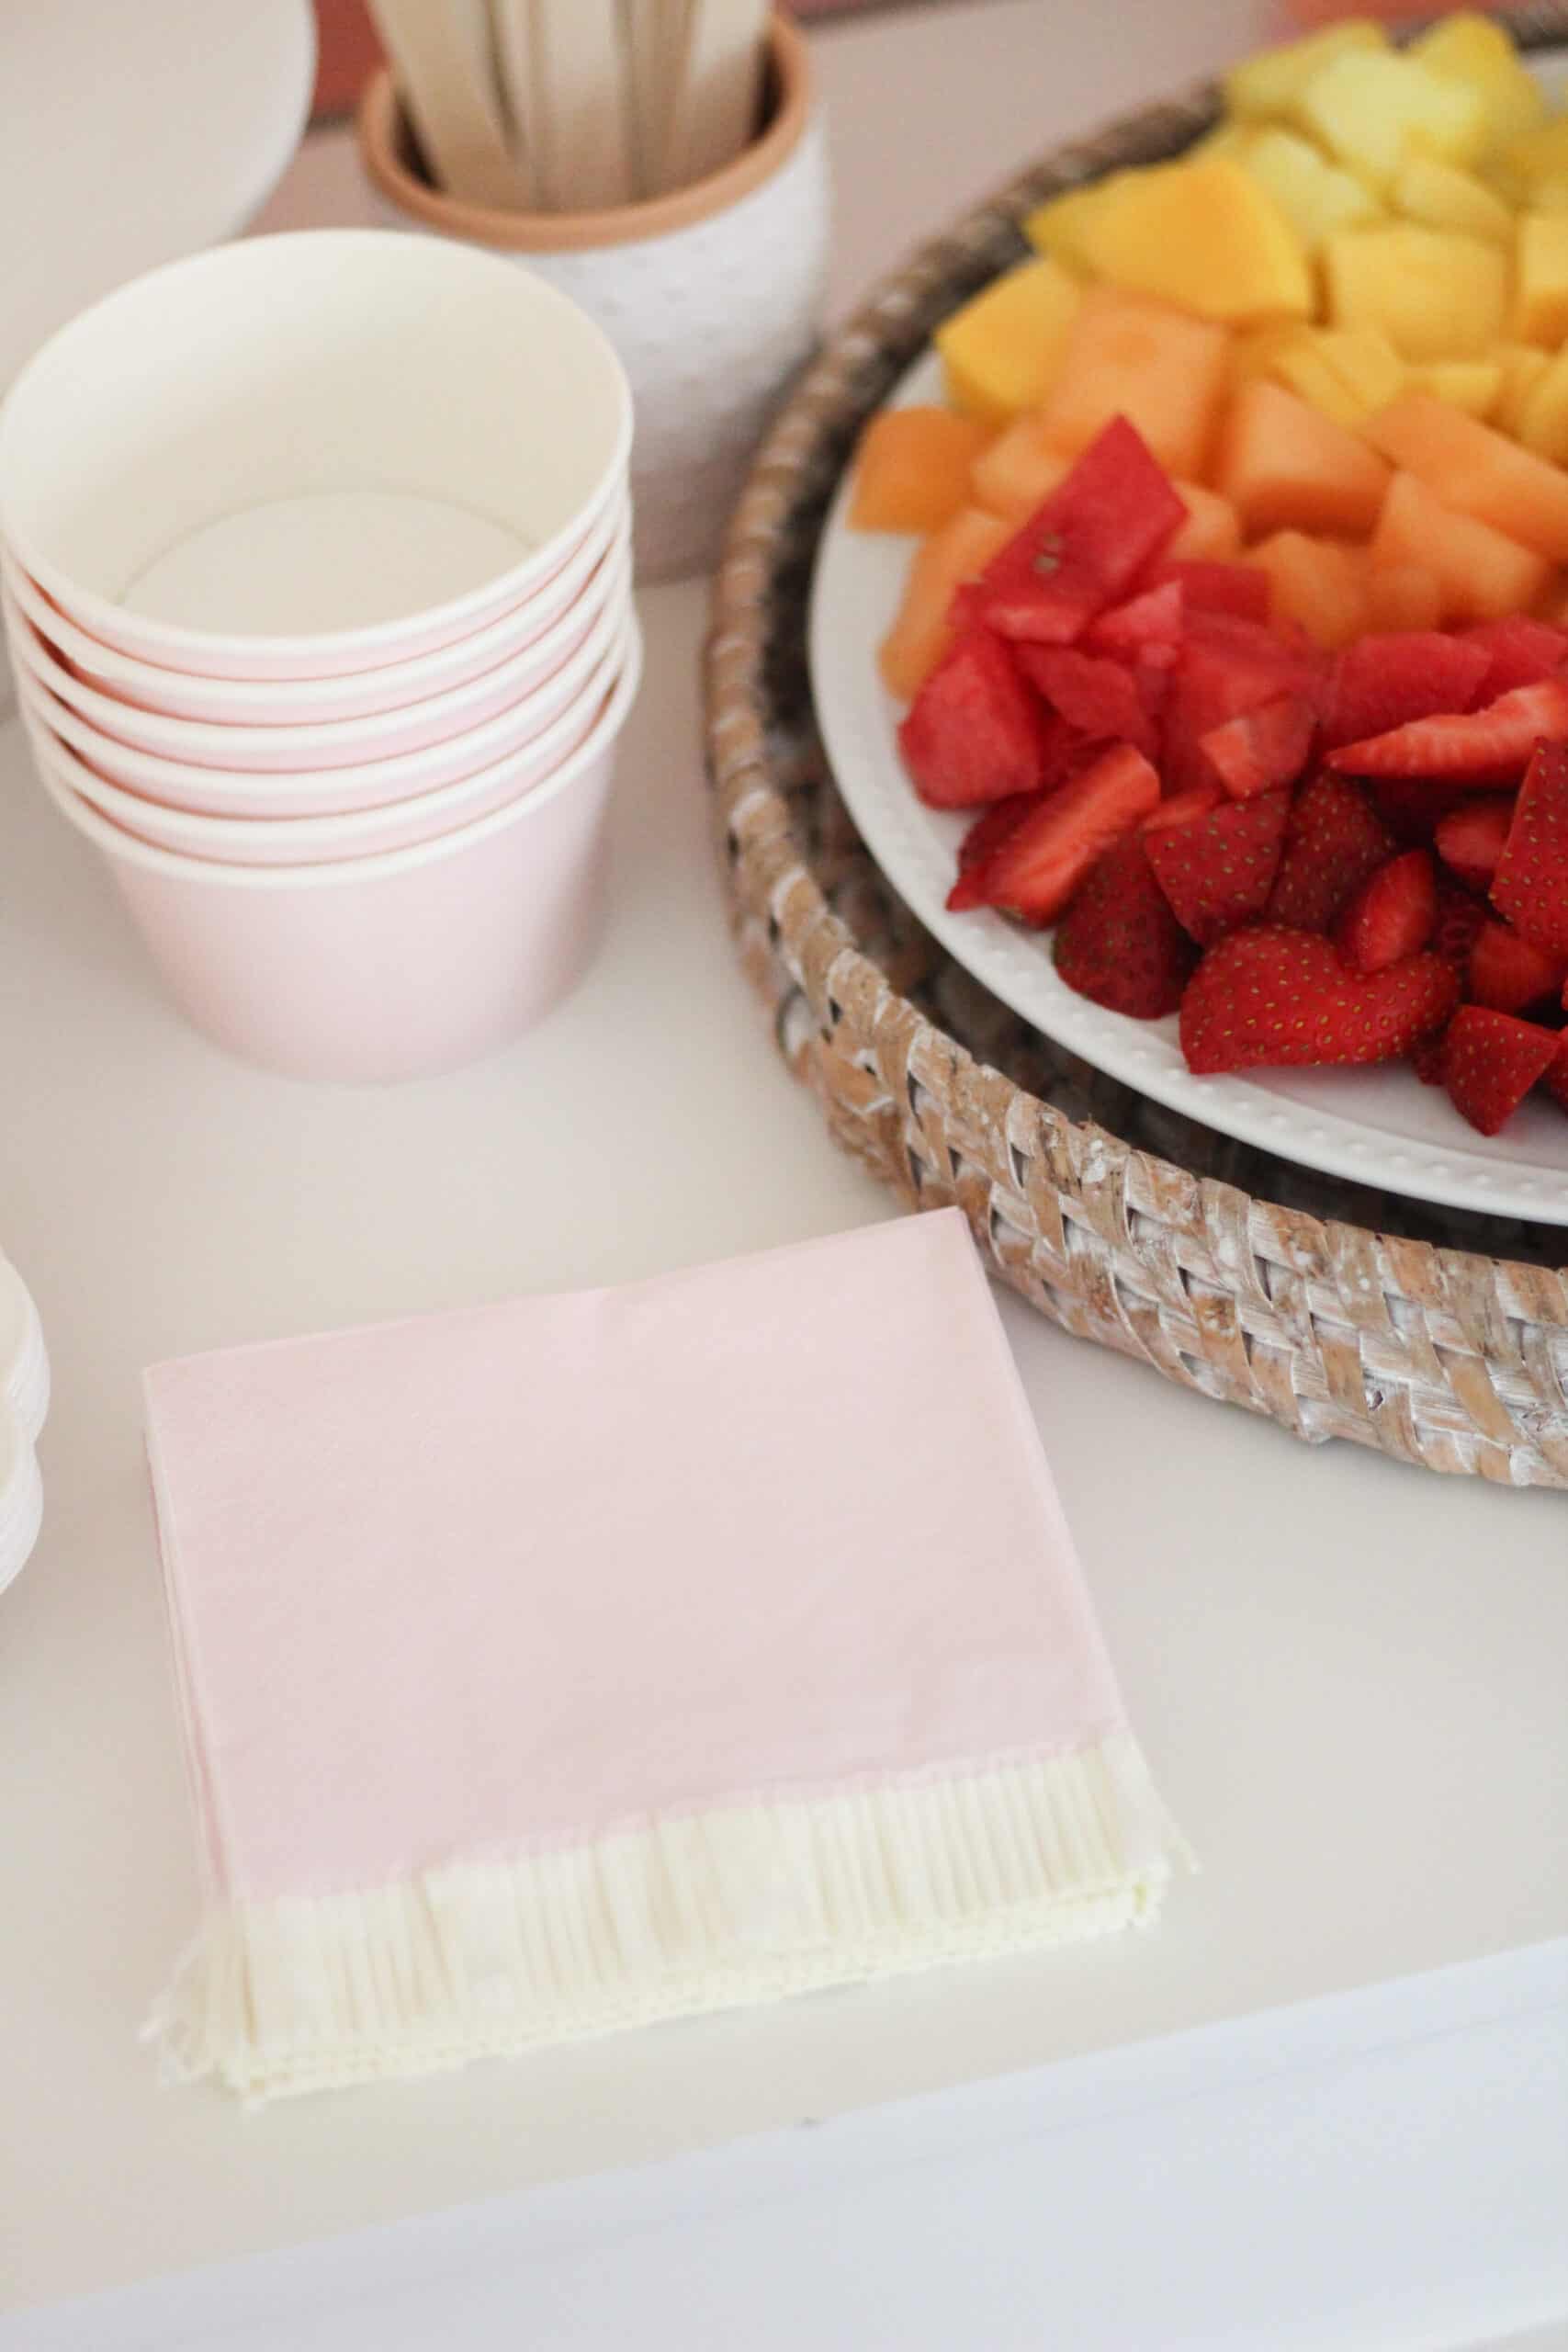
(1263, 748)
(1185, 808)
(1490, 746)
(1531, 886)
(1218, 872)
(1084, 546)
(1460, 918)
(1268, 998)
(1097, 697)
(1556, 1078)
(1519, 653)
(980, 843)
(1508, 973)
(1470, 838)
(1333, 845)
(1385, 682)
(1035, 871)
(1490, 1063)
(1393, 915)
(1118, 942)
(975, 731)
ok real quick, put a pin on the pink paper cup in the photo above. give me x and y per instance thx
(316, 841)
(298, 456)
(390, 968)
(543, 630)
(519, 687)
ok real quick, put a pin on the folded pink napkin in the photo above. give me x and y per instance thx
(585, 1661)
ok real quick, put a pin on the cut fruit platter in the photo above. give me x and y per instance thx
(1190, 637)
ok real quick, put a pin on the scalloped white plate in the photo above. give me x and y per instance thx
(1378, 1126)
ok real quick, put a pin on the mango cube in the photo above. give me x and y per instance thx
(1366, 362)
(1472, 48)
(1060, 227)
(1540, 280)
(1001, 350)
(1435, 296)
(1315, 196)
(1269, 83)
(1440, 196)
(1297, 362)
(1372, 110)
(1203, 236)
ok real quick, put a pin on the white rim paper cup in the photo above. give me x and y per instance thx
(386, 967)
(260, 398)
(313, 841)
(540, 627)
(512, 688)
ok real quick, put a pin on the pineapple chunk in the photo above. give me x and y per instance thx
(1225, 139)
(1315, 196)
(1471, 49)
(1203, 236)
(1269, 83)
(1540, 280)
(1298, 364)
(1366, 362)
(1373, 111)
(1440, 196)
(1550, 195)
(1543, 419)
(1001, 350)
(1434, 297)
(1473, 385)
(1539, 154)
(1523, 365)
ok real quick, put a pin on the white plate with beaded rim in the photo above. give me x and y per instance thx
(1378, 1126)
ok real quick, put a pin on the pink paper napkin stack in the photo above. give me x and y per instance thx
(590, 1660)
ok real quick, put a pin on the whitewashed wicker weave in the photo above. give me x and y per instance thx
(1440, 1338)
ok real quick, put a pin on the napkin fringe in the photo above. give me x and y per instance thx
(737, 1903)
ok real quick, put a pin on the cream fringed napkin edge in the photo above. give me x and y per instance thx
(590, 1660)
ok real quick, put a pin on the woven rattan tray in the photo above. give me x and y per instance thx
(1338, 1311)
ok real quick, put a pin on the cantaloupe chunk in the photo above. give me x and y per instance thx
(1203, 235)
(1372, 110)
(1433, 295)
(1476, 470)
(1540, 280)
(1319, 582)
(1401, 596)
(1469, 48)
(1481, 575)
(1472, 385)
(1544, 412)
(1128, 356)
(1270, 83)
(1285, 466)
(1001, 350)
(1440, 196)
(1212, 533)
(922, 631)
(1315, 196)
(1019, 470)
(912, 469)
(1523, 365)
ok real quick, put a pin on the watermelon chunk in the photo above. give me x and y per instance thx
(1227, 668)
(1382, 682)
(1097, 697)
(1149, 626)
(1085, 546)
(975, 731)
(1238, 589)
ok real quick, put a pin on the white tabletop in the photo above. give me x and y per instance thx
(1348, 1675)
